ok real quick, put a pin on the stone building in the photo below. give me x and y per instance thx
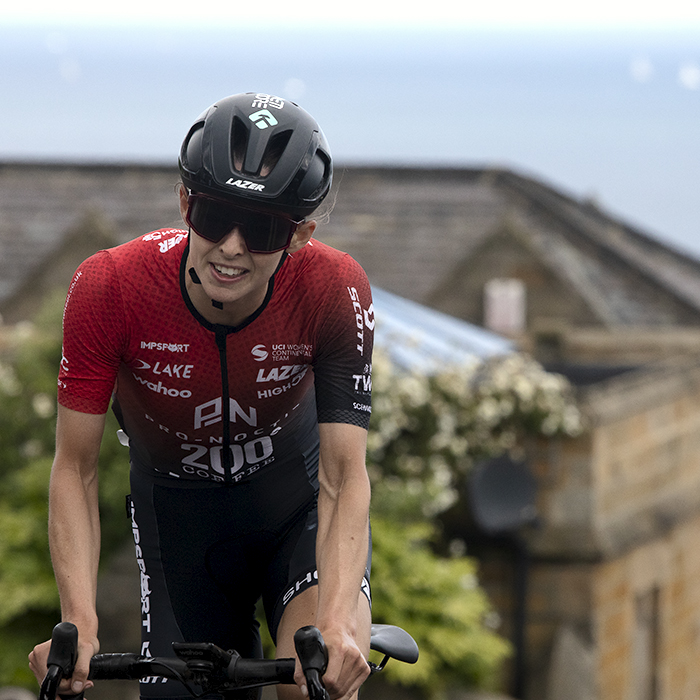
(53, 216)
(612, 563)
(613, 592)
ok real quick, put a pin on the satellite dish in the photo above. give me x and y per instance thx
(502, 495)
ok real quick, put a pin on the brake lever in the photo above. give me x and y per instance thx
(313, 657)
(61, 660)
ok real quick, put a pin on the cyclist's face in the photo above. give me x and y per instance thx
(232, 275)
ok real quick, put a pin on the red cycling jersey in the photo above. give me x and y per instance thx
(200, 401)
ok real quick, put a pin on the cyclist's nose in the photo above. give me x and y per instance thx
(233, 242)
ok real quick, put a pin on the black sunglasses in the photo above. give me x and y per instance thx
(263, 233)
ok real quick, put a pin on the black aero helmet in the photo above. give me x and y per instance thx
(260, 151)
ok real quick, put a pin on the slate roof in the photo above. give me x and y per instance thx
(411, 229)
(43, 204)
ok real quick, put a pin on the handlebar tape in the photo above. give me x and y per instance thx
(115, 667)
(261, 670)
(135, 666)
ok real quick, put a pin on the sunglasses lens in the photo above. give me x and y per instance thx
(209, 218)
(263, 233)
(268, 234)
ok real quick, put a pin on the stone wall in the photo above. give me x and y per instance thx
(646, 615)
(615, 568)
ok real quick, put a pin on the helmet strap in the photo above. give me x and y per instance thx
(196, 280)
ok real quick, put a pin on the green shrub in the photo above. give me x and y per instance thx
(29, 605)
(439, 602)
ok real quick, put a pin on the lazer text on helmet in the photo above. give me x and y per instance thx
(245, 184)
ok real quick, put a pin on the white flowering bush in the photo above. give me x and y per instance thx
(427, 430)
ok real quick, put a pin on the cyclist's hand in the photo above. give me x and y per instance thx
(78, 682)
(347, 668)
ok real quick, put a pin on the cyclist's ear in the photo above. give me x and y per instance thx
(302, 236)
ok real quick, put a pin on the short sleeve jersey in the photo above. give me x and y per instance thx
(203, 402)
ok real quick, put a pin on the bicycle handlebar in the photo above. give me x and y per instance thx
(133, 667)
(238, 673)
(214, 670)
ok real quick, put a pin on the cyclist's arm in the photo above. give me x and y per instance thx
(343, 508)
(74, 532)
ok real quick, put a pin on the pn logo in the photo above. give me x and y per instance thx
(263, 118)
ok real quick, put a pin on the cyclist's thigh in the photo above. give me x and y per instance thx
(293, 569)
(180, 600)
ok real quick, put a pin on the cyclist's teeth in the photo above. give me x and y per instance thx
(229, 272)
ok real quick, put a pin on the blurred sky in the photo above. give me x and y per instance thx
(364, 14)
(597, 98)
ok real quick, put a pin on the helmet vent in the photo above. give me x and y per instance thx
(192, 151)
(316, 178)
(239, 143)
(275, 150)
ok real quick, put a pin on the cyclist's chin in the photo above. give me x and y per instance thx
(243, 293)
(226, 298)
